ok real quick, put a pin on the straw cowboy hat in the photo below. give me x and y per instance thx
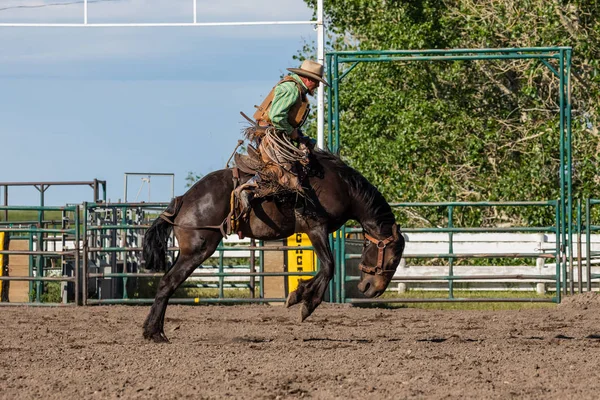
(310, 69)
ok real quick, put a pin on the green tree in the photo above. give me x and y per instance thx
(466, 131)
(192, 178)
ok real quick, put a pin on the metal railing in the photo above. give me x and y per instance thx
(451, 256)
(36, 235)
(93, 239)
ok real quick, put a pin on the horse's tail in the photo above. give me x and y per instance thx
(155, 240)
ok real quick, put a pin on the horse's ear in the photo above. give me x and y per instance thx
(395, 232)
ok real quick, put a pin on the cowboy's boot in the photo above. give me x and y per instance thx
(245, 193)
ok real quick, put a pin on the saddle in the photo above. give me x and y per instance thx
(279, 164)
(250, 163)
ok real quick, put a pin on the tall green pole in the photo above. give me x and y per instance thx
(336, 99)
(330, 105)
(567, 124)
(563, 170)
(450, 251)
(557, 250)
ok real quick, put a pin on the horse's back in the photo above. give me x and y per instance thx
(207, 202)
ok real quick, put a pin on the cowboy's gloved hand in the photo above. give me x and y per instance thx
(311, 143)
(308, 142)
(296, 134)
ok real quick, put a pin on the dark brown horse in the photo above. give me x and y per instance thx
(336, 194)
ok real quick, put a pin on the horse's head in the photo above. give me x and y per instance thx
(380, 258)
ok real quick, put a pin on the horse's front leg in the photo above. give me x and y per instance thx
(189, 258)
(310, 292)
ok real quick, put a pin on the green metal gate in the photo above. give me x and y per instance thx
(556, 59)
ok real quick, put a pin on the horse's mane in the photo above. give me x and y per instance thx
(361, 189)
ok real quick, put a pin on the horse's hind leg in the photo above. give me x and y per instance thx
(185, 265)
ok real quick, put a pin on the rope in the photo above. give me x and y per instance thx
(280, 148)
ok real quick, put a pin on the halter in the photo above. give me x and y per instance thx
(381, 245)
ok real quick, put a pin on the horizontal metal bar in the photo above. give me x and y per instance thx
(150, 173)
(476, 203)
(126, 205)
(51, 183)
(32, 222)
(207, 275)
(149, 24)
(38, 208)
(463, 278)
(548, 229)
(34, 278)
(447, 58)
(197, 300)
(467, 255)
(121, 249)
(102, 227)
(450, 51)
(210, 267)
(240, 248)
(473, 277)
(38, 230)
(454, 300)
(38, 253)
(235, 285)
(9, 304)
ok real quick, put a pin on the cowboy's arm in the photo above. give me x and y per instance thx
(284, 98)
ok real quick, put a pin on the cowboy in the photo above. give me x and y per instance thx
(286, 108)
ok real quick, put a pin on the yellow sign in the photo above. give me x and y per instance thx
(299, 260)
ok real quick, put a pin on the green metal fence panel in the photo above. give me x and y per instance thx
(562, 55)
(451, 256)
(37, 233)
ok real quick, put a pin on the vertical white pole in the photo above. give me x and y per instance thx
(195, 11)
(321, 92)
(172, 186)
(125, 189)
(85, 12)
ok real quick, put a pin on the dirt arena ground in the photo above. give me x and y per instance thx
(341, 352)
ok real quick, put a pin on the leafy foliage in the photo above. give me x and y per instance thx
(467, 130)
(192, 178)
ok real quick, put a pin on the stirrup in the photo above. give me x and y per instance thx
(244, 197)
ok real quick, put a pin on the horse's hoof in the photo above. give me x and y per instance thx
(304, 312)
(156, 337)
(292, 299)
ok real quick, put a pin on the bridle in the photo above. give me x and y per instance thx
(381, 245)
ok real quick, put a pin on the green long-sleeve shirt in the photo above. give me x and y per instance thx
(285, 96)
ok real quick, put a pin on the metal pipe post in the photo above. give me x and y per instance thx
(329, 105)
(557, 251)
(579, 260)
(77, 250)
(450, 251)
(6, 202)
(588, 251)
(84, 268)
(321, 92)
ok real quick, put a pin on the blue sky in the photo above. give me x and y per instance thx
(84, 103)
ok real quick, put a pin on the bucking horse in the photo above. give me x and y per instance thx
(334, 194)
